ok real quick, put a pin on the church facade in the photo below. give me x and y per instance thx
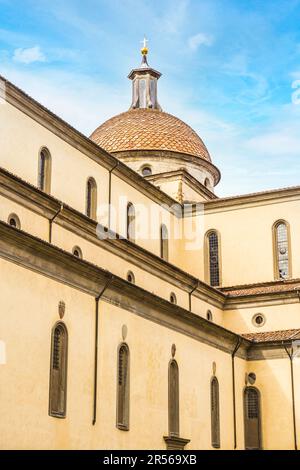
(138, 309)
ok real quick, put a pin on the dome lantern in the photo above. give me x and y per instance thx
(144, 84)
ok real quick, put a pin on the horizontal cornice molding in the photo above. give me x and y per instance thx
(255, 199)
(47, 206)
(186, 177)
(27, 195)
(268, 351)
(48, 260)
(165, 155)
(45, 259)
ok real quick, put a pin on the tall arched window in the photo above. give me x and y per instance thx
(123, 388)
(282, 255)
(44, 175)
(252, 418)
(58, 371)
(215, 413)
(91, 198)
(212, 253)
(173, 398)
(164, 242)
(130, 230)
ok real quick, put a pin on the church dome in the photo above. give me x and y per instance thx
(149, 129)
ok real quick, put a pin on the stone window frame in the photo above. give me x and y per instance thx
(215, 413)
(123, 391)
(245, 410)
(130, 222)
(146, 166)
(209, 315)
(275, 249)
(16, 219)
(91, 198)
(258, 325)
(207, 257)
(61, 376)
(164, 242)
(173, 399)
(79, 250)
(44, 170)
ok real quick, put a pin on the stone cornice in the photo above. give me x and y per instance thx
(255, 199)
(197, 162)
(47, 206)
(268, 350)
(45, 259)
(76, 139)
(186, 177)
(266, 293)
(39, 256)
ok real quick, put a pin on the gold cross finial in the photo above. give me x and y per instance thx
(144, 49)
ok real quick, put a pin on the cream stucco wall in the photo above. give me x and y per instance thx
(30, 221)
(29, 306)
(246, 241)
(277, 317)
(26, 330)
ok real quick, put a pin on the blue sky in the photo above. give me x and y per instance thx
(229, 68)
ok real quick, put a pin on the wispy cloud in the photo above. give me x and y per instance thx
(200, 39)
(29, 55)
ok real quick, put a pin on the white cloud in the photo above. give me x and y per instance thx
(84, 102)
(262, 158)
(200, 39)
(29, 55)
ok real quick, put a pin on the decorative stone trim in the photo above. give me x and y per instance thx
(48, 260)
(187, 178)
(176, 442)
(45, 259)
(157, 155)
(27, 195)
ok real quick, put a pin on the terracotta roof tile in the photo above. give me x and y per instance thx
(280, 335)
(263, 288)
(149, 129)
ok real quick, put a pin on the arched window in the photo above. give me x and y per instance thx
(130, 230)
(130, 277)
(207, 183)
(91, 198)
(77, 252)
(173, 298)
(212, 252)
(14, 221)
(146, 170)
(215, 413)
(252, 418)
(173, 398)
(44, 175)
(164, 243)
(58, 371)
(282, 256)
(209, 315)
(123, 388)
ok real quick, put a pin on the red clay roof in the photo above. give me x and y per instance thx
(280, 335)
(262, 288)
(149, 129)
